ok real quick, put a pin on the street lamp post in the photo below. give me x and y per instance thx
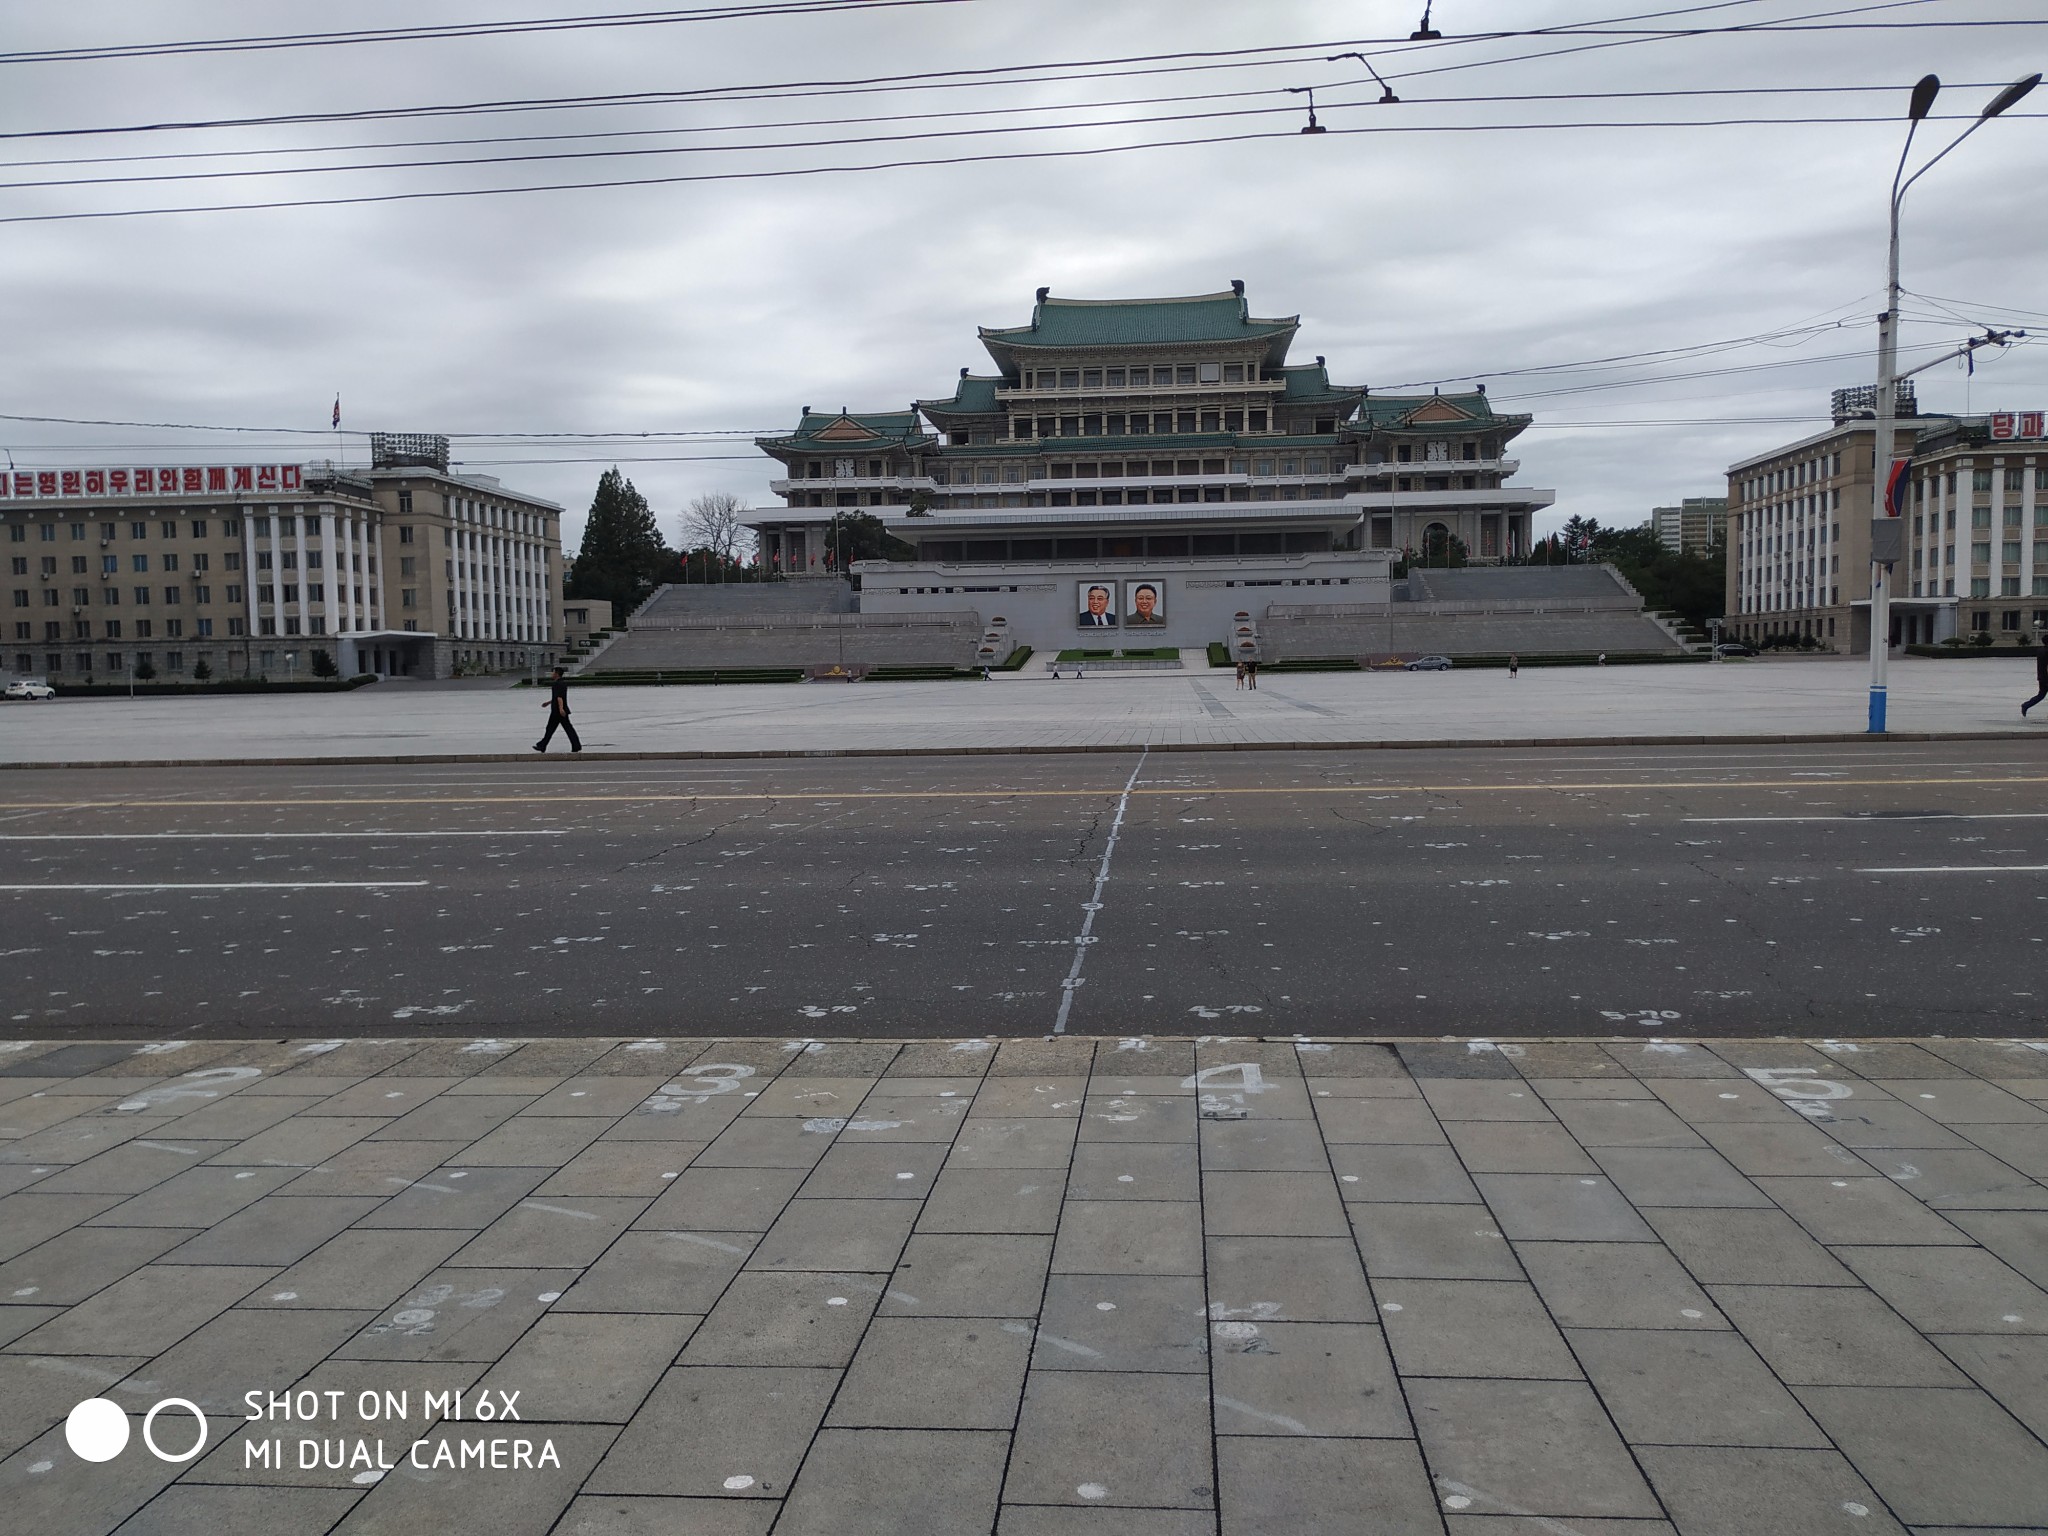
(1882, 537)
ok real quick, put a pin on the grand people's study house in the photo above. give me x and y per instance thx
(1130, 465)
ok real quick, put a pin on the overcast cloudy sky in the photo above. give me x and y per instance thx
(1484, 243)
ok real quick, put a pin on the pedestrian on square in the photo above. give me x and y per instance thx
(2040, 676)
(1514, 666)
(1251, 673)
(1240, 673)
(1603, 658)
(558, 714)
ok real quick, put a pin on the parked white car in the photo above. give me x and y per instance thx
(30, 688)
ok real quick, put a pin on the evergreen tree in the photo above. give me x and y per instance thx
(852, 536)
(623, 557)
(323, 664)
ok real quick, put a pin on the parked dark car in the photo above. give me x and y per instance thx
(1734, 648)
(1430, 664)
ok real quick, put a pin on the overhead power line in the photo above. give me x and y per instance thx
(993, 157)
(452, 30)
(917, 117)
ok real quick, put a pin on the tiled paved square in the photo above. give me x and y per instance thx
(1057, 1287)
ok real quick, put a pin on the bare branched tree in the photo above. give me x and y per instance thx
(713, 521)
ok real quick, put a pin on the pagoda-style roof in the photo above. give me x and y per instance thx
(822, 432)
(972, 396)
(1088, 324)
(1309, 384)
(1434, 413)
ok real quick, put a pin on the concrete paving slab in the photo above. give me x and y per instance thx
(1131, 1170)
(1669, 1387)
(1112, 1439)
(836, 1236)
(1123, 1323)
(969, 1275)
(1533, 1447)
(1983, 1468)
(1316, 1379)
(1432, 1242)
(1746, 1247)
(783, 1320)
(1861, 1210)
(65, 1269)
(1406, 1174)
(1320, 1487)
(1272, 1205)
(1832, 1336)
(934, 1373)
(892, 1482)
(994, 1200)
(661, 1272)
(1617, 1285)
(589, 1367)
(1303, 1280)
(145, 1312)
(1738, 1492)
(1545, 1206)
(1625, 1123)
(1129, 1237)
(1951, 1290)
(459, 1314)
(1485, 1328)
(712, 1432)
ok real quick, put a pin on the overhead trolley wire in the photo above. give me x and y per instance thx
(913, 117)
(454, 30)
(993, 157)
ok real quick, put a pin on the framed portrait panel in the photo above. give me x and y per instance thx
(1095, 604)
(1144, 603)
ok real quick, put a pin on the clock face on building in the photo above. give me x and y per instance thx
(843, 468)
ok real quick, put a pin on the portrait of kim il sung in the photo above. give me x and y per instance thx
(1147, 600)
(1096, 604)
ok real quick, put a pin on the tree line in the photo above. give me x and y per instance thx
(624, 555)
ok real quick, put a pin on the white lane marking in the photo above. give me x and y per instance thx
(227, 885)
(1880, 817)
(1087, 938)
(163, 837)
(1960, 869)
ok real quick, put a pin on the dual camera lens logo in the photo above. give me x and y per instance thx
(97, 1430)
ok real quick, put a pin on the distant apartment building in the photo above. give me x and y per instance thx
(250, 568)
(1690, 527)
(1975, 504)
(1799, 530)
(471, 565)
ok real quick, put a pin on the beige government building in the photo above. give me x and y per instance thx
(1975, 506)
(404, 569)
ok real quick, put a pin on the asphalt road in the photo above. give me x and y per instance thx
(1825, 890)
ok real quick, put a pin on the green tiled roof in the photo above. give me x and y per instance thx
(891, 428)
(973, 396)
(1309, 384)
(1392, 411)
(1082, 323)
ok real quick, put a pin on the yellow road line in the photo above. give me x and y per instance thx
(1110, 791)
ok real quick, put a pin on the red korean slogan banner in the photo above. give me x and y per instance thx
(2010, 426)
(173, 480)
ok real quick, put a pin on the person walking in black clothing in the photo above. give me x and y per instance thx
(2040, 676)
(558, 714)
